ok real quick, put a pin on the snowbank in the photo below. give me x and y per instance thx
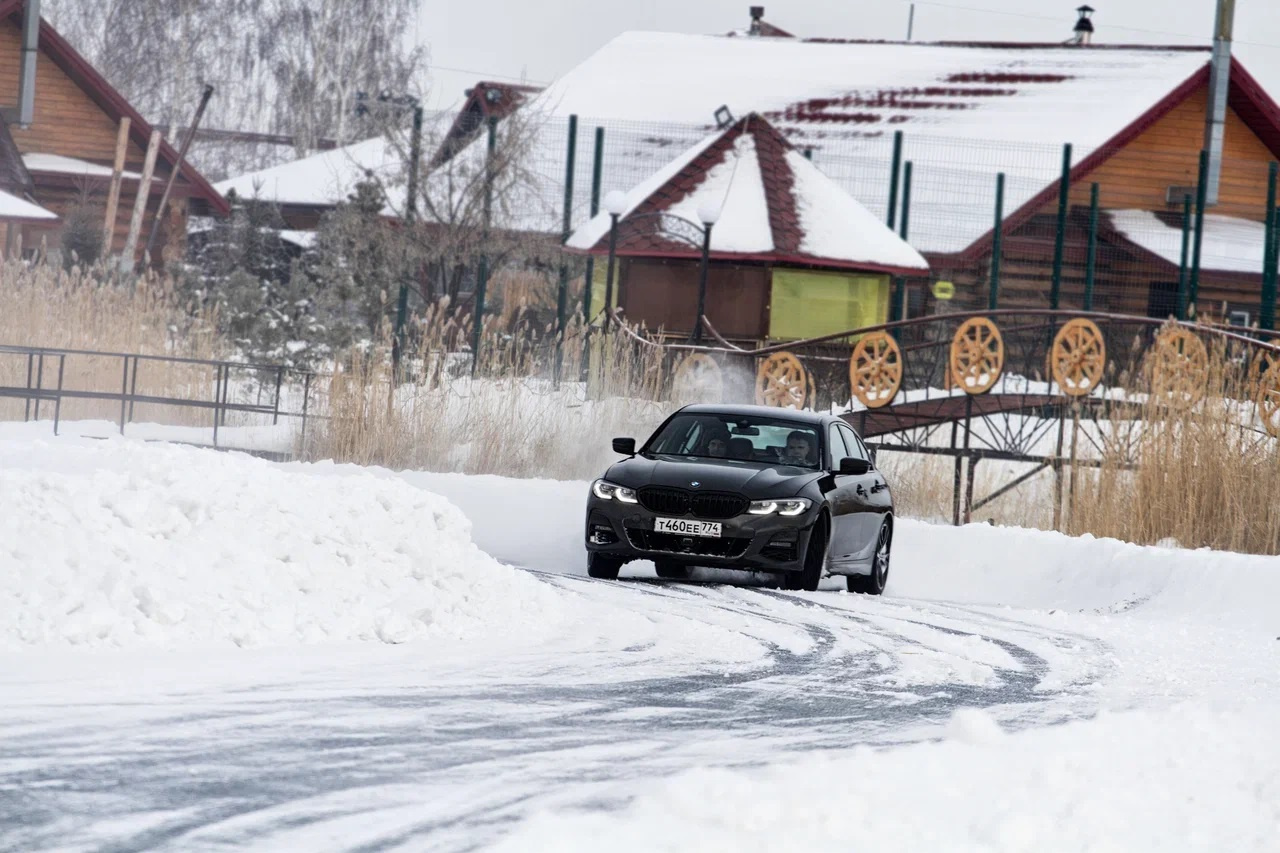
(118, 543)
(1036, 569)
(1180, 779)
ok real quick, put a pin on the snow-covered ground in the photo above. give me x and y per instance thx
(205, 651)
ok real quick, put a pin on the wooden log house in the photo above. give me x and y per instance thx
(64, 158)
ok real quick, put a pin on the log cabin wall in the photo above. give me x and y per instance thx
(70, 123)
(1136, 176)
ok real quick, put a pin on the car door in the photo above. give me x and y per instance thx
(870, 498)
(843, 501)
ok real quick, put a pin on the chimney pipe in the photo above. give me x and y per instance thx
(1215, 123)
(27, 71)
(757, 14)
(1084, 27)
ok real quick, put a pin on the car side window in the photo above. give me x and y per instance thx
(837, 442)
(857, 449)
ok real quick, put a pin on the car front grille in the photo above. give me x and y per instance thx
(668, 501)
(702, 504)
(698, 546)
(718, 505)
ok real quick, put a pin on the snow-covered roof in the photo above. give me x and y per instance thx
(1228, 244)
(326, 178)
(14, 208)
(58, 164)
(771, 204)
(302, 239)
(967, 112)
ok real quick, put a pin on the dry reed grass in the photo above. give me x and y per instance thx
(44, 306)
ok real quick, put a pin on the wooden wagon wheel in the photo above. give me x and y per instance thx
(875, 370)
(977, 355)
(697, 379)
(1179, 365)
(1262, 362)
(781, 381)
(1079, 357)
(1269, 400)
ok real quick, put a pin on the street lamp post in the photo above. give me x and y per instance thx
(616, 204)
(708, 215)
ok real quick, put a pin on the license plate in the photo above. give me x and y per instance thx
(686, 527)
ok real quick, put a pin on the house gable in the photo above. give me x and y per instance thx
(77, 112)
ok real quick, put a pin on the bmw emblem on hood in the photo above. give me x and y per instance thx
(695, 484)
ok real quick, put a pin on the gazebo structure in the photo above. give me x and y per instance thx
(746, 231)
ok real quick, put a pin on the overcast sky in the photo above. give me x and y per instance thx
(537, 41)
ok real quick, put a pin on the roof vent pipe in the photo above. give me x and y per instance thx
(27, 71)
(1084, 27)
(1215, 122)
(757, 15)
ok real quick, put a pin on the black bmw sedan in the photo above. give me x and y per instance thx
(745, 487)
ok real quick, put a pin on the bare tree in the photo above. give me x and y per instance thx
(278, 66)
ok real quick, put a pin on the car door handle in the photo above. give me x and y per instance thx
(861, 490)
(879, 486)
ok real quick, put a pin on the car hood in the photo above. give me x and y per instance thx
(712, 475)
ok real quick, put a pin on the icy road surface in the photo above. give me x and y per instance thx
(402, 690)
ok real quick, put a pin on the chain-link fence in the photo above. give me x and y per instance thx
(1150, 248)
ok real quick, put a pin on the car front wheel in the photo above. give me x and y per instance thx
(874, 583)
(815, 560)
(602, 567)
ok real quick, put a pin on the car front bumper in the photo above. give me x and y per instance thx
(763, 543)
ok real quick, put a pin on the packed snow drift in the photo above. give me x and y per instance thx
(117, 543)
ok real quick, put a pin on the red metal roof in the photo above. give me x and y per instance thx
(112, 102)
(643, 233)
(1256, 109)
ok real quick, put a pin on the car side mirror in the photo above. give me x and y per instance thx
(625, 445)
(850, 465)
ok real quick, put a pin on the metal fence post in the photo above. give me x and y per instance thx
(562, 293)
(893, 178)
(1201, 190)
(57, 401)
(124, 393)
(997, 234)
(306, 395)
(217, 397)
(482, 277)
(39, 382)
(26, 409)
(1184, 266)
(275, 407)
(899, 308)
(1064, 192)
(1090, 264)
(597, 169)
(1267, 308)
(133, 388)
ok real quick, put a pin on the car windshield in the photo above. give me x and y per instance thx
(750, 438)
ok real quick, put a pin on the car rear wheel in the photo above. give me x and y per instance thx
(671, 571)
(603, 567)
(815, 560)
(874, 583)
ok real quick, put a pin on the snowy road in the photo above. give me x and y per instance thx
(380, 752)
(206, 652)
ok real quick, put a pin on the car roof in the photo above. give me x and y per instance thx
(814, 418)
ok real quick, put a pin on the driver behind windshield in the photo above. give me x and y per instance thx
(800, 449)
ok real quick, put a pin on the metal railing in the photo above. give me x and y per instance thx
(42, 362)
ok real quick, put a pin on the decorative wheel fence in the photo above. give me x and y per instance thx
(1050, 388)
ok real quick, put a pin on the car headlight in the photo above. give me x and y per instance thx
(788, 506)
(607, 491)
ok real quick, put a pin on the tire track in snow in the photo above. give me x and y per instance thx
(451, 766)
